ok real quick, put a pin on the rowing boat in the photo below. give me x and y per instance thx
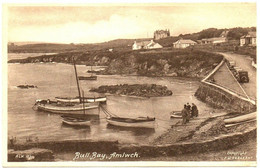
(72, 121)
(142, 122)
(176, 114)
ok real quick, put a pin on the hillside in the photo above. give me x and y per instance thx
(125, 44)
(119, 44)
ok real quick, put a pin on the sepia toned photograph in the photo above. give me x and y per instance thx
(172, 82)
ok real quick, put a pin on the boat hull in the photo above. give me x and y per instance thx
(76, 122)
(87, 100)
(87, 77)
(176, 115)
(145, 124)
(89, 110)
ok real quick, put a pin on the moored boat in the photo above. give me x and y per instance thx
(55, 107)
(92, 77)
(141, 122)
(72, 121)
(102, 99)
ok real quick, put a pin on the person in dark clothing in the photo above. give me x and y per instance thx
(194, 111)
(184, 113)
(188, 107)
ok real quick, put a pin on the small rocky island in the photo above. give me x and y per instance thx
(140, 90)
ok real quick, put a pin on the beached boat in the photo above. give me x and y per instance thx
(242, 118)
(101, 99)
(176, 114)
(77, 122)
(141, 122)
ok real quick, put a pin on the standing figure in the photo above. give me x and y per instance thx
(184, 114)
(188, 107)
(194, 110)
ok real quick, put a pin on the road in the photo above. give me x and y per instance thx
(245, 63)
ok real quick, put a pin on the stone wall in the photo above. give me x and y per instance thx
(219, 98)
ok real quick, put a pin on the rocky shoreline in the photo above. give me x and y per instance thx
(163, 63)
(140, 90)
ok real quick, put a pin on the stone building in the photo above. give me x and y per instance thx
(159, 34)
(249, 39)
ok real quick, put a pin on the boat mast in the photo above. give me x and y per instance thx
(77, 80)
(83, 102)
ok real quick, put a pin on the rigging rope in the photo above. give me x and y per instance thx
(107, 113)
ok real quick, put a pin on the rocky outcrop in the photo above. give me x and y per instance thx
(174, 63)
(220, 99)
(141, 90)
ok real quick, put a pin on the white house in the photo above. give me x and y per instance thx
(183, 43)
(146, 45)
(214, 40)
(249, 39)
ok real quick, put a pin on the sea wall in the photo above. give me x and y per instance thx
(223, 98)
(219, 98)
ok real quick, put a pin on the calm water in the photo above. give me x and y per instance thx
(55, 79)
(25, 55)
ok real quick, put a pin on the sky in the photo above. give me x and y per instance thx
(96, 23)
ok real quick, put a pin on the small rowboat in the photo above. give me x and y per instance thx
(86, 99)
(75, 121)
(88, 77)
(242, 118)
(176, 114)
(141, 122)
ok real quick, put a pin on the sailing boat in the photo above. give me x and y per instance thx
(60, 107)
(101, 99)
(92, 77)
(139, 122)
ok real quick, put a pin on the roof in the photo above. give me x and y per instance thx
(143, 43)
(249, 34)
(185, 41)
(214, 39)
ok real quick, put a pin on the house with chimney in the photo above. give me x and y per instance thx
(248, 40)
(146, 45)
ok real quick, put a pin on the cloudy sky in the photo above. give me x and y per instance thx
(89, 24)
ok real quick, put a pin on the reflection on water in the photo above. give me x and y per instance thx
(56, 79)
(133, 131)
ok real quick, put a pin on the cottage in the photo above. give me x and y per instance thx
(214, 40)
(249, 39)
(183, 43)
(146, 45)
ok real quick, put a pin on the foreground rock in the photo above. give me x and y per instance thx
(141, 90)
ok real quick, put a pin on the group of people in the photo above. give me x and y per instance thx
(189, 112)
